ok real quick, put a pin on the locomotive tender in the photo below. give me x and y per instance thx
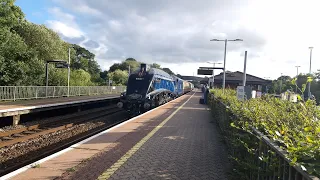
(150, 87)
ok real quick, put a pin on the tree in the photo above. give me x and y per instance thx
(13, 56)
(104, 76)
(80, 77)
(130, 59)
(10, 14)
(124, 66)
(155, 65)
(25, 47)
(119, 77)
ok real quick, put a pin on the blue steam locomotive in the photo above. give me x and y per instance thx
(150, 87)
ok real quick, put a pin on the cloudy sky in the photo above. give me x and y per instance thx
(176, 34)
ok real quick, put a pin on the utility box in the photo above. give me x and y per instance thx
(244, 92)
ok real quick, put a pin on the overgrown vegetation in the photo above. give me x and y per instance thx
(295, 127)
(284, 83)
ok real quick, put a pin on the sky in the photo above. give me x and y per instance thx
(176, 34)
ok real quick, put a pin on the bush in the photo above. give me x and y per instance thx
(294, 127)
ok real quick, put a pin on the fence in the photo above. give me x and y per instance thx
(12, 93)
(254, 154)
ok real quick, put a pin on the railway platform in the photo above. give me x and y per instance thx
(175, 141)
(17, 108)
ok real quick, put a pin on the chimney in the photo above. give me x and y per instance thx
(144, 66)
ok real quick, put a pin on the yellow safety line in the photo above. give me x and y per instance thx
(109, 172)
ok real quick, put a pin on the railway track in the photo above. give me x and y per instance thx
(23, 134)
(74, 129)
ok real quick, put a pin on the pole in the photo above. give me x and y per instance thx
(47, 81)
(297, 78)
(309, 85)
(213, 75)
(224, 65)
(69, 74)
(281, 83)
(244, 69)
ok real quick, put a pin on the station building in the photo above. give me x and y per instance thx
(234, 79)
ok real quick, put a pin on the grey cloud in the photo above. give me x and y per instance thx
(72, 40)
(166, 31)
(91, 44)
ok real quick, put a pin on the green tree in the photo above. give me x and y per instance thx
(10, 14)
(25, 47)
(104, 76)
(155, 65)
(13, 54)
(45, 42)
(119, 77)
(124, 66)
(130, 59)
(80, 78)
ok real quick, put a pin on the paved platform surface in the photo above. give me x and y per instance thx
(175, 141)
(188, 146)
(38, 102)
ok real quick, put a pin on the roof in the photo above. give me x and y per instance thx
(238, 76)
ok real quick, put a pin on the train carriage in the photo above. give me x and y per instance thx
(186, 87)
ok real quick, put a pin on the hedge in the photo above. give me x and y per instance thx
(294, 127)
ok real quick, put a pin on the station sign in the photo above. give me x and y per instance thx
(245, 93)
(204, 72)
(61, 65)
(240, 93)
(207, 70)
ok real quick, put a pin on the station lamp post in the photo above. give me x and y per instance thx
(309, 85)
(281, 82)
(224, 60)
(297, 77)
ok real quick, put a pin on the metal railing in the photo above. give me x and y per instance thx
(259, 156)
(12, 93)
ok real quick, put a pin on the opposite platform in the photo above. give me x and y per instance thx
(25, 106)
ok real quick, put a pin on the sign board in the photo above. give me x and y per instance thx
(61, 65)
(204, 72)
(258, 94)
(244, 92)
(211, 68)
(240, 93)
